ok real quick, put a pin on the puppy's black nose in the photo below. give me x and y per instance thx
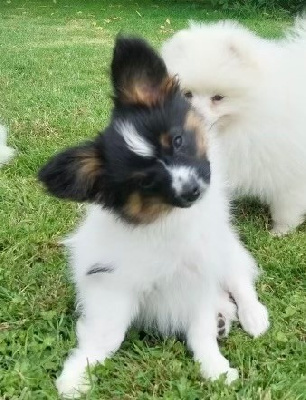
(189, 194)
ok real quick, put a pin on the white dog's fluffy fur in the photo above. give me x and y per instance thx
(173, 274)
(6, 153)
(261, 121)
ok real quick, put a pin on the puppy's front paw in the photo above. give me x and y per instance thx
(215, 369)
(254, 318)
(72, 383)
(231, 375)
(72, 387)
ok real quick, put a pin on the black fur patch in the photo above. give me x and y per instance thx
(221, 326)
(221, 323)
(100, 268)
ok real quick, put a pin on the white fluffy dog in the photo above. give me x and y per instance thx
(252, 94)
(156, 248)
(6, 153)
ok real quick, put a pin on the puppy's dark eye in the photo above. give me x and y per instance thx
(217, 97)
(188, 94)
(146, 182)
(177, 141)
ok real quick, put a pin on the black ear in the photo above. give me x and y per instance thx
(139, 74)
(75, 174)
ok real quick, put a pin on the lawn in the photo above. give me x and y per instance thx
(54, 91)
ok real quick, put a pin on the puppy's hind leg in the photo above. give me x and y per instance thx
(227, 313)
(100, 332)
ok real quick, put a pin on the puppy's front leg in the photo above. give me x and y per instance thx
(100, 332)
(240, 282)
(202, 340)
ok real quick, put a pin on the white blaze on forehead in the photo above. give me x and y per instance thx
(133, 140)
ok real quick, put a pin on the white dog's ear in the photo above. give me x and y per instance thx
(241, 51)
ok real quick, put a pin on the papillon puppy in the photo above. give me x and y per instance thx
(155, 248)
(252, 94)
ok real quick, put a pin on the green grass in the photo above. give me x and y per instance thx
(54, 91)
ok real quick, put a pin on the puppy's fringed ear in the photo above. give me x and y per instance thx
(75, 174)
(139, 74)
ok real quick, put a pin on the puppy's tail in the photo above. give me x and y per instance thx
(6, 153)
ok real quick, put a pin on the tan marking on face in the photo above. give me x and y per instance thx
(144, 210)
(165, 140)
(194, 123)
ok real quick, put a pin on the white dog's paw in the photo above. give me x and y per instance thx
(280, 230)
(231, 375)
(254, 318)
(216, 369)
(284, 227)
(72, 384)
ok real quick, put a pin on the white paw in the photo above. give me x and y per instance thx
(254, 318)
(71, 384)
(280, 230)
(215, 370)
(231, 375)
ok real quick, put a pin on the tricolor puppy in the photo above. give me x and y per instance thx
(156, 248)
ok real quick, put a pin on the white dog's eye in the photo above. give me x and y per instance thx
(217, 97)
(188, 94)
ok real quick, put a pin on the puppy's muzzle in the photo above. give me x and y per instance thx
(191, 191)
